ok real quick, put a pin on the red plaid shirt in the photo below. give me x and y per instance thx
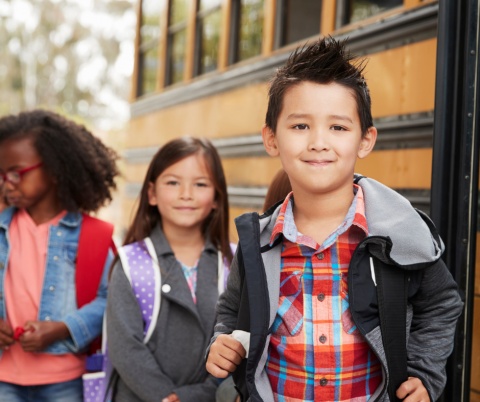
(316, 353)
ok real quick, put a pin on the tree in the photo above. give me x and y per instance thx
(74, 56)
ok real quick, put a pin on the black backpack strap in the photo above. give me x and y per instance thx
(392, 294)
(243, 324)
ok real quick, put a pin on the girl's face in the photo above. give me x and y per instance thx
(36, 185)
(184, 193)
(3, 203)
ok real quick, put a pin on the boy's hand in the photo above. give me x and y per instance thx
(225, 355)
(6, 335)
(171, 398)
(41, 334)
(414, 389)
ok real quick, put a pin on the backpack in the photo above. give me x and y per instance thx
(93, 244)
(392, 298)
(96, 387)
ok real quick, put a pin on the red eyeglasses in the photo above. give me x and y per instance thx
(15, 176)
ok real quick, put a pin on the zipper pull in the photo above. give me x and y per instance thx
(372, 270)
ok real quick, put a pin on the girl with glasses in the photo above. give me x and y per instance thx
(53, 172)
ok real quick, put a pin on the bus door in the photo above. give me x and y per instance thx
(455, 182)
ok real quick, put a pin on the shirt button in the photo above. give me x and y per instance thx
(59, 233)
(1, 296)
(47, 318)
(52, 288)
(56, 258)
(323, 382)
(166, 288)
(323, 339)
(320, 256)
(321, 297)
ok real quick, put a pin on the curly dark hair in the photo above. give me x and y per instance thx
(325, 61)
(82, 165)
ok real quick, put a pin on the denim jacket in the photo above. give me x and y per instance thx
(59, 298)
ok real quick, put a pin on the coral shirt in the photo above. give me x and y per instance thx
(23, 289)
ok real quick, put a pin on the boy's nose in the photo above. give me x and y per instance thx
(318, 141)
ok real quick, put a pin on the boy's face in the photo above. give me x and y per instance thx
(319, 137)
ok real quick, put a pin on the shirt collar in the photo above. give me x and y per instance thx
(285, 223)
(162, 247)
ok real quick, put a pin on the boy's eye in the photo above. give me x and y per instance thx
(300, 127)
(338, 128)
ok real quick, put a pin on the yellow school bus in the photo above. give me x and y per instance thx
(202, 68)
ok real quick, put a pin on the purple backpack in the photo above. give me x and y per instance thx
(140, 264)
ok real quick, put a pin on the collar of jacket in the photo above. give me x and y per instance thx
(179, 291)
(162, 247)
(398, 233)
(71, 219)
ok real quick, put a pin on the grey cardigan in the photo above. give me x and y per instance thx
(173, 359)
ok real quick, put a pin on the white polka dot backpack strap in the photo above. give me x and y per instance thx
(140, 263)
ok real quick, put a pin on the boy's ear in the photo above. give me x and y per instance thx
(367, 143)
(269, 141)
(152, 197)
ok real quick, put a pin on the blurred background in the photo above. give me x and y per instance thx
(138, 73)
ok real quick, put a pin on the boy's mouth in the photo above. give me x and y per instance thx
(318, 162)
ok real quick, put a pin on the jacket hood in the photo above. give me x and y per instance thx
(413, 236)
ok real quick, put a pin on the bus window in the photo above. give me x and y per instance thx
(350, 11)
(208, 35)
(149, 38)
(296, 20)
(177, 38)
(247, 29)
(148, 70)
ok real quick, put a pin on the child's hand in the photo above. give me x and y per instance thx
(6, 335)
(225, 355)
(171, 398)
(41, 334)
(414, 389)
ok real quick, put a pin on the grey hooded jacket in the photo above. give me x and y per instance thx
(399, 236)
(173, 359)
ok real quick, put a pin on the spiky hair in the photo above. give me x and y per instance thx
(323, 62)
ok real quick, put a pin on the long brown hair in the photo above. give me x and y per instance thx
(147, 216)
(278, 189)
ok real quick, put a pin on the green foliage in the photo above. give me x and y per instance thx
(69, 55)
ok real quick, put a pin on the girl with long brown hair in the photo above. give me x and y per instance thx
(183, 210)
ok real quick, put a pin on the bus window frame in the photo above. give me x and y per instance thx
(171, 31)
(200, 16)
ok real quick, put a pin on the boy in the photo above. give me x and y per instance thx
(316, 264)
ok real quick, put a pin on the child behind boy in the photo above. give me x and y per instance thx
(312, 263)
(53, 172)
